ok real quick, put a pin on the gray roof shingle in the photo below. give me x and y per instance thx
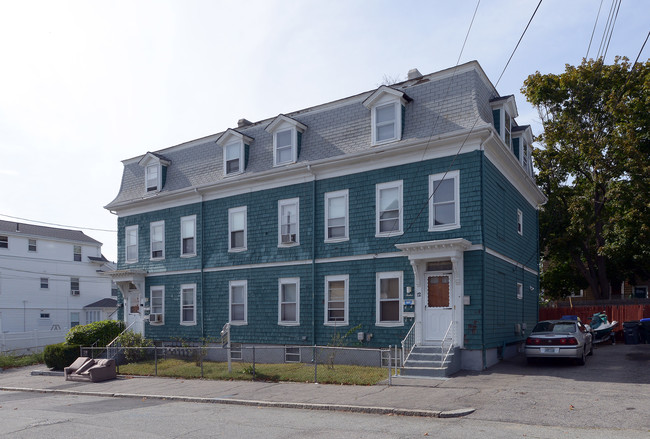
(15, 228)
(441, 103)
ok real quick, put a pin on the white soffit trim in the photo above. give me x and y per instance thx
(510, 261)
(507, 164)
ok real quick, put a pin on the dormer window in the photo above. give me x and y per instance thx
(153, 175)
(504, 110)
(386, 107)
(155, 170)
(522, 138)
(287, 137)
(235, 147)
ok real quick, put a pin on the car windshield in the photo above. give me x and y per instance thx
(555, 327)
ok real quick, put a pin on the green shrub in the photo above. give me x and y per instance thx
(133, 340)
(58, 356)
(101, 332)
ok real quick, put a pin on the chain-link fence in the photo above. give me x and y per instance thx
(314, 364)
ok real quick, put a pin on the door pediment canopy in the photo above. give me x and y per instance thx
(127, 279)
(442, 248)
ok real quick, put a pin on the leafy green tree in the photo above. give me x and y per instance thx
(594, 167)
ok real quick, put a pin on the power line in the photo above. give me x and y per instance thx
(612, 30)
(57, 225)
(520, 38)
(594, 29)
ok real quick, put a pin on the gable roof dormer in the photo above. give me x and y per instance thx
(504, 110)
(235, 147)
(287, 138)
(387, 106)
(155, 171)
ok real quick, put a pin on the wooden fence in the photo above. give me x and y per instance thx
(620, 313)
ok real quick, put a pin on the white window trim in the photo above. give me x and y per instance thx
(389, 275)
(46, 283)
(378, 188)
(397, 109)
(126, 244)
(287, 202)
(185, 219)
(242, 156)
(29, 244)
(231, 212)
(193, 288)
(294, 146)
(455, 175)
(156, 288)
(520, 222)
(146, 177)
(343, 193)
(285, 281)
(238, 283)
(5, 240)
(74, 253)
(520, 291)
(328, 279)
(151, 227)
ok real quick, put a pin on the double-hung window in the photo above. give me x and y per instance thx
(389, 299)
(444, 204)
(77, 253)
(4, 241)
(234, 157)
(336, 300)
(289, 301)
(288, 220)
(45, 283)
(31, 245)
(157, 302)
(386, 122)
(188, 235)
(131, 239)
(237, 229)
(520, 291)
(389, 208)
(188, 304)
(74, 286)
(520, 222)
(336, 216)
(287, 134)
(152, 177)
(157, 238)
(238, 302)
(507, 130)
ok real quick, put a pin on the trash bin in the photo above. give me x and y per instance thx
(645, 331)
(631, 332)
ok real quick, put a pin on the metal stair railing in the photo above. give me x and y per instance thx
(113, 348)
(451, 343)
(408, 343)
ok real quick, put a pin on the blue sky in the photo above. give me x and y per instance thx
(86, 84)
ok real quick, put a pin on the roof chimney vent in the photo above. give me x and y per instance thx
(414, 74)
(17, 227)
(243, 123)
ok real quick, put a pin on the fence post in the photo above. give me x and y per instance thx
(36, 338)
(201, 356)
(390, 363)
(253, 362)
(155, 360)
(315, 365)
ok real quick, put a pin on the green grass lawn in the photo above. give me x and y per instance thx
(8, 361)
(297, 372)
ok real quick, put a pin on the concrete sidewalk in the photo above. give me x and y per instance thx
(408, 397)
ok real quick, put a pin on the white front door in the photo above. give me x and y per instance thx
(134, 312)
(438, 308)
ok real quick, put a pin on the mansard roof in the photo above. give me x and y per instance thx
(440, 104)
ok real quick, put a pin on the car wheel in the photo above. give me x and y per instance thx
(583, 358)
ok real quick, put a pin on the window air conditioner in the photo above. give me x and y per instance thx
(74, 292)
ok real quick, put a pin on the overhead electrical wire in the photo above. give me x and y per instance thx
(58, 225)
(594, 29)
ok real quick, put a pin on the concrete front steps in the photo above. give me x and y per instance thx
(427, 362)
